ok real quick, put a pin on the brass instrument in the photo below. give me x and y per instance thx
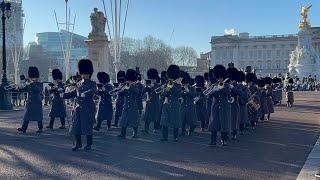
(168, 85)
(116, 91)
(209, 90)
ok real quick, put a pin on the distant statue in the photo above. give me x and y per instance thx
(304, 23)
(98, 23)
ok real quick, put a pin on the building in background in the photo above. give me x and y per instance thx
(52, 44)
(14, 38)
(266, 54)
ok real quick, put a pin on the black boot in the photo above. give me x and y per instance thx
(116, 120)
(213, 139)
(97, 127)
(135, 132)
(241, 129)
(234, 134)
(109, 125)
(63, 123)
(50, 126)
(89, 143)
(21, 130)
(224, 136)
(40, 127)
(175, 134)
(78, 143)
(123, 133)
(164, 133)
(146, 128)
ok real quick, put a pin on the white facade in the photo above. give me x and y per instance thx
(266, 54)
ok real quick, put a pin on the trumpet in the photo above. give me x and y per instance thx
(160, 89)
(209, 90)
(116, 91)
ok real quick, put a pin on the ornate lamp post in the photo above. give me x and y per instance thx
(5, 103)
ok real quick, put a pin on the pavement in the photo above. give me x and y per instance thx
(277, 149)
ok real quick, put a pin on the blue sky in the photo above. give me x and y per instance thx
(193, 21)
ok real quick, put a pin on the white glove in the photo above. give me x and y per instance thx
(60, 89)
(231, 86)
(51, 96)
(82, 95)
(103, 89)
(61, 95)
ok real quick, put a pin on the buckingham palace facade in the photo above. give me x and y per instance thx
(266, 54)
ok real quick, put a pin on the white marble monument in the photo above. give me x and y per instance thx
(98, 44)
(304, 60)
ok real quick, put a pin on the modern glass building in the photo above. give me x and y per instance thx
(54, 44)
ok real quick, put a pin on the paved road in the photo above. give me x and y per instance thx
(275, 150)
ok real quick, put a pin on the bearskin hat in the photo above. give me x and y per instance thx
(173, 72)
(22, 77)
(232, 73)
(131, 75)
(121, 77)
(274, 80)
(103, 77)
(248, 69)
(85, 66)
(219, 71)
(185, 77)
(164, 75)
(199, 80)
(33, 72)
(138, 76)
(192, 81)
(290, 80)
(152, 73)
(231, 65)
(206, 76)
(261, 82)
(241, 76)
(251, 77)
(268, 80)
(56, 74)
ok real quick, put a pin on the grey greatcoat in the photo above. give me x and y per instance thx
(105, 111)
(201, 106)
(34, 102)
(220, 110)
(264, 106)
(289, 93)
(243, 100)
(170, 115)
(119, 104)
(130, 112)
(188, 109)
(58, 106)
(152, 104)
(139, 96)
(254, 91)
(235, 108)
(83, 114)
(269, 100)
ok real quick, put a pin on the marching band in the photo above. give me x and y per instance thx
(225, 102)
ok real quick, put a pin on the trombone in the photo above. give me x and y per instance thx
(168, 85)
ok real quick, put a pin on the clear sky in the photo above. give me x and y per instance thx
(193, 21)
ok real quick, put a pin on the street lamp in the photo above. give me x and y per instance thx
(5, 102)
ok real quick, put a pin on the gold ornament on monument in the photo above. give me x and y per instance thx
(304, 23)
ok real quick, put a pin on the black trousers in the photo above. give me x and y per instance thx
(62, 120)
(116, 119)
(26, 123)
(79, 141)
(99, 122)
(156, 126)
(165, 132)
(124, 131)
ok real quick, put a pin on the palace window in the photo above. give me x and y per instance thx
(269, 54)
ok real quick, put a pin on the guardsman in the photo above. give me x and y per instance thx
(232, 74)
(254, 97)
(121, 79)
(153, 101)
(33, 110)
(83, 114)
(188, 110)
(58, 107)
(130, 112)
(163, 82)
(140, 87)
(263, 95)
(220, 108)
(243, 100)
(105, 111)
(289, 92)
(170, 116)
(200, 101)
(269, 102)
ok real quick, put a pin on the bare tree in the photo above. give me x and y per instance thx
(185, 56)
